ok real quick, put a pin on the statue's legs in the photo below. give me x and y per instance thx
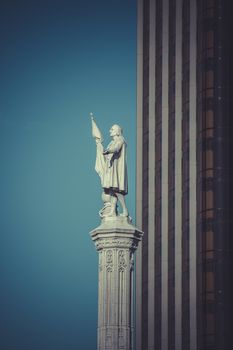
(110, 198)
(107, 208)
(110, 203)
(121, 199)
(113, 205)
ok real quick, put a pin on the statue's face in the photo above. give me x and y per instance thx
(113, 131)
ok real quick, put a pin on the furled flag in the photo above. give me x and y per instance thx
(100, 159)
(96, 133)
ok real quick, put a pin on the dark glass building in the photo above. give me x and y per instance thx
(184, 268)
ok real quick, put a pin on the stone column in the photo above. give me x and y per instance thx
(116, 240)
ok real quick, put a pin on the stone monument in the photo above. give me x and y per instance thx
(116, 240)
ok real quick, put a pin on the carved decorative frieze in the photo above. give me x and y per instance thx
(109, 260)
(103, 243)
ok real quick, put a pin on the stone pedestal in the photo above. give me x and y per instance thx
(116, 240)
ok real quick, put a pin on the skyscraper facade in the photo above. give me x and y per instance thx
(184, 267)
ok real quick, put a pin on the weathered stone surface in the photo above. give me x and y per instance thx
(116, 240)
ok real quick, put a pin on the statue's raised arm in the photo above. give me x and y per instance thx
(112, 168)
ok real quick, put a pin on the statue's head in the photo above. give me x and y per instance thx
(115, 130)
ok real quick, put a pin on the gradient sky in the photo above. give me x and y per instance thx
(59, 61)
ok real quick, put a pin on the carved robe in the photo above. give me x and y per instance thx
(112, 167)
(115, 175)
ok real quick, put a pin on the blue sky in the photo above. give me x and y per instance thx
(60, 60)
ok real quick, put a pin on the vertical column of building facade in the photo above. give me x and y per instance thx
(215, 175)
(171, 174)
(158, 170)
(178, 177)
(193, 176)
(150, 95)
(185, 174)
(225, 98)
(164, 176)
(165, 203)
(139, 171)
(142, 172)
(202, 227)
(174, 13)
(206, 122)
(145, 167)
(151, 182)
(223, 181)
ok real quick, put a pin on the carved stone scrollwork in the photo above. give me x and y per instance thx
(121, 260)
(109, 260)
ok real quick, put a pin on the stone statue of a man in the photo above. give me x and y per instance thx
(112, 169)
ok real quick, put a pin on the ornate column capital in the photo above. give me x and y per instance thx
(117, 232)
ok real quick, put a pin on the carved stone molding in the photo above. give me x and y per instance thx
(109, 260)
(105, 243)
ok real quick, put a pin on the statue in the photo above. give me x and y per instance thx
(111, 167)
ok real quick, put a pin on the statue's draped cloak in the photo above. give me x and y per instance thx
(112, 167)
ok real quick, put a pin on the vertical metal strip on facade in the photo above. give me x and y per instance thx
(145, 167)
(151, 184)
(164, 212)
(192, 172)
(139, 172)
(158, 171)
(171, 175)
(185, 173)
(178, 179)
